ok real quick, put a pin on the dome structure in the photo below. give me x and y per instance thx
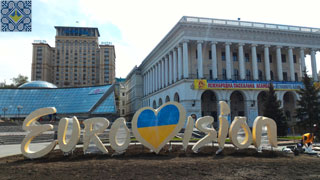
(37, 84)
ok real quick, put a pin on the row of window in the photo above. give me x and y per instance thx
(247, 57)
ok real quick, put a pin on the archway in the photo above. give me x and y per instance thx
(154, 105)
(237, 104)
(289, 105)
(176, 97)
(209, 106)
(262, 97)
(167, 99)
(160, 102)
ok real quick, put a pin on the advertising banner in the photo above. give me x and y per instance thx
(246, 85)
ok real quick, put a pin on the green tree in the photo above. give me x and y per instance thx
(308, 110)
(272, 109)
(19, 80)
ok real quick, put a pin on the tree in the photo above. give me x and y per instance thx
(19, 80)
(308, 110)
(272, 109)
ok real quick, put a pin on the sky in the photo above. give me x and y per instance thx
(135, 27)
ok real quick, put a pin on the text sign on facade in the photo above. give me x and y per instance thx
(248, 85)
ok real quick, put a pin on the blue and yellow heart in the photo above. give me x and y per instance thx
(154, 128)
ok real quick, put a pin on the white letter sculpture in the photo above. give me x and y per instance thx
(202, 124)
(115, 145)
(240, 122)
(91, 134)
(187, 133)
(35, 130)
(62, 130)
(258, 123)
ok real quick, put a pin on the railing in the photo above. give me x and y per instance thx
(249, 24)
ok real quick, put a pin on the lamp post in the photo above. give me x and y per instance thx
(19, 109)
(4, 112)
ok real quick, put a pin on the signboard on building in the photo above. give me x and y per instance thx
(245, 85)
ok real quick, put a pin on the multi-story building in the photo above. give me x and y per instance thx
(134, 92)
(77, 59)
(120, 95)
(202, 61)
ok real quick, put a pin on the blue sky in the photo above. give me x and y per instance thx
(136, 27)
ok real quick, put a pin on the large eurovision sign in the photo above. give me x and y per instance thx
(246, 85)
(153, 128)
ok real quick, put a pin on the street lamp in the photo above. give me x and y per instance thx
(4, 112)
(19, 109)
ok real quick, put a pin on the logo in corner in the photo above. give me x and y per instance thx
(15, 16)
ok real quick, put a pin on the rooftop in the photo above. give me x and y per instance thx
(212, 21)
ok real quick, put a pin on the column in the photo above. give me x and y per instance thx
(200, 64)
(180, 68)
(314, 65)
(144, 84)
(152, 80)
(174, 71)
(159, 75)
(228, 60)
(279, 64)
(241, 61)
(185, 60)
(303, 62)
(148, 82)
(166, 70)
(214, 60)
(170, 67)
(267, 62)
(155, 77)
(163, 71)
(291, 65)
(254, 62)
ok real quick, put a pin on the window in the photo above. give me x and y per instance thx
(270, 58)
(223, 56)
(296, 76)
(246, 56)
(224, 74)
(259, 57)
(122, 94)
(260, 75)
(236, 74)
(283, 58)
(295, 59)
(210, 54)
(235, 56)
(271, 75)
(210, 74)
(248, 74)
(285, 76)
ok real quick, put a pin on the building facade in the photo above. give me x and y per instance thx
(134, 92)
(76, 60)
(202, 61)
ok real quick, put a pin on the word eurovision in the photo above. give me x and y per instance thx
(152, 128)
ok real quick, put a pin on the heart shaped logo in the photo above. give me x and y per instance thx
(154, 128)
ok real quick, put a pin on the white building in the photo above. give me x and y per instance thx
(202, 61)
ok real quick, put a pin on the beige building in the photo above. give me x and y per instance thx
(76, 60)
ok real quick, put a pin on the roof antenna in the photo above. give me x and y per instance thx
(238, 19)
